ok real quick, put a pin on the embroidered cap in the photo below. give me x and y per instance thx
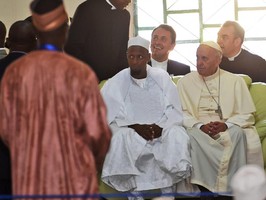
(213, 44)
(139, 41)
(48, 15)
(249, 183)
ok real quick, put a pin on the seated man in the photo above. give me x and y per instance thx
(149, 147)
(235, 58)
(218, 115)
(163, 41)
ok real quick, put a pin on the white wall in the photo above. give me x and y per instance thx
(13, 10)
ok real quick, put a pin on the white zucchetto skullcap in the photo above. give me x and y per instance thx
(249, 183)
(138, 41)
(213, 44)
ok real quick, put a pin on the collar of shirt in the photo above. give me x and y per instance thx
(233, 57)
(113, 7)
(140, 82)
(162, 65)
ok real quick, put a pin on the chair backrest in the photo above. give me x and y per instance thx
(102, 83)
(175, 79)
(258, 93)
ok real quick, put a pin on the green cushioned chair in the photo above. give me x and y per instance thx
(102, 83)
(247, 79)
(111, 194)
(258, 93)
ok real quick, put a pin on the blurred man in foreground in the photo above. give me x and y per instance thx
(53, 117)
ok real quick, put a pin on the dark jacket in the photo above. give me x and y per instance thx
(246, 63)
(176, 68)
(99, 36)
(4, 62)
(5, 163)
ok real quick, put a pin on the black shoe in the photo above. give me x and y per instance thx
(220, 197)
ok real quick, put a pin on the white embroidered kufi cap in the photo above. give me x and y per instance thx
(138, 41)
(249, 183)
(213, 44)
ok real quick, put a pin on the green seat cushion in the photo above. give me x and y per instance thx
(175, 79)
(258, 93)
(102, 83)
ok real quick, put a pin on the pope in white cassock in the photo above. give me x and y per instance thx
(149, 147)
(218, 115)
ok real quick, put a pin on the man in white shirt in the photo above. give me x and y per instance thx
(163, 41)
(149, 147)
(218, 114)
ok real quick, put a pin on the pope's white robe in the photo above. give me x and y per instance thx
(215, 161)
(132, 163)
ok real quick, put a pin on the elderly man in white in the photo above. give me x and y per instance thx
(219, 119)
(149, 147)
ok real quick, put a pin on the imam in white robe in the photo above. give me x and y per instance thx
(132, 163)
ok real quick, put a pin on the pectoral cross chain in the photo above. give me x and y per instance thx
(219, 111)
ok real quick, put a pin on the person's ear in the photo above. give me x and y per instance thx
(238, 42)
(172, 46)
